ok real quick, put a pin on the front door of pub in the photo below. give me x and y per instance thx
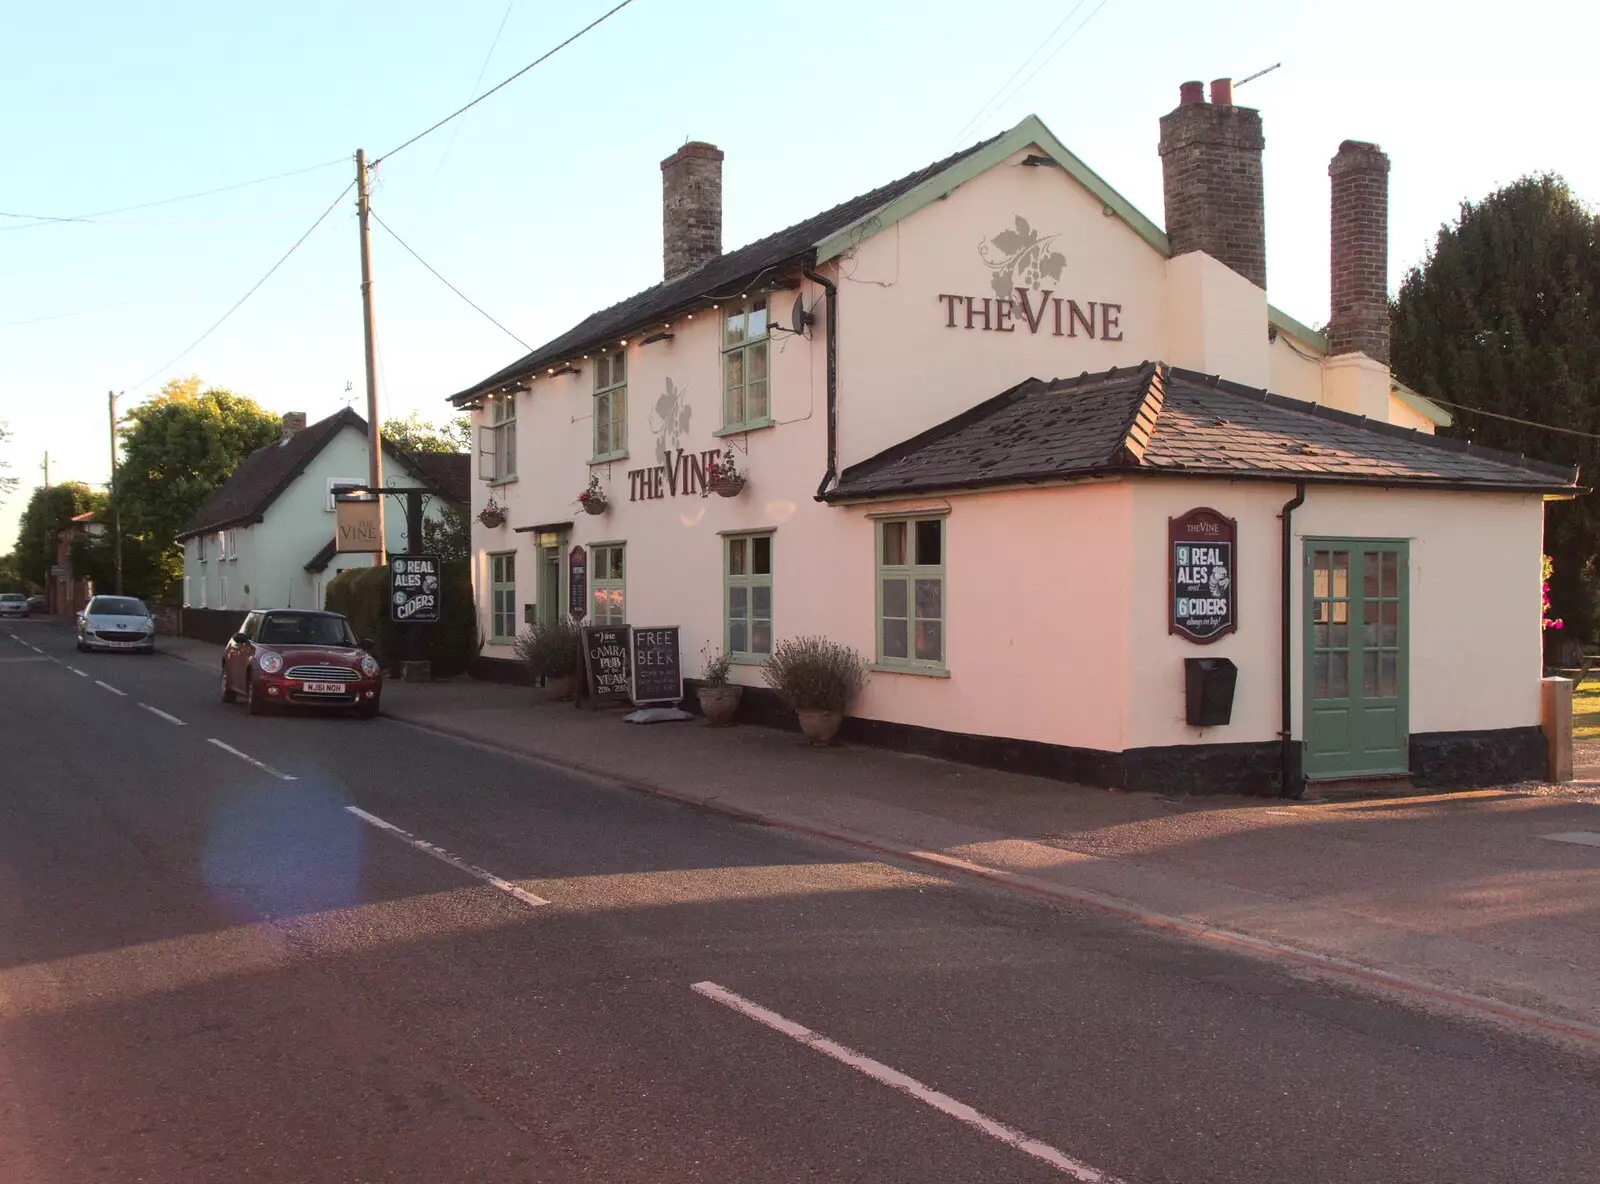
(1356, 658)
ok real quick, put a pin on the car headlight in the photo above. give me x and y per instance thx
(369, 666)
(269, 662)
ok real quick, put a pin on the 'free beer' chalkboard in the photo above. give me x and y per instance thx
(657, 666)
(607, 658)
(1200, 555)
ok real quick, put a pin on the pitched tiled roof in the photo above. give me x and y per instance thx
(726, 274)
(264, 474)
(450, 473)
(1155, 419)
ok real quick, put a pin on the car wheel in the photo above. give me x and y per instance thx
(82, 649)
(229, 695)
(254, 703)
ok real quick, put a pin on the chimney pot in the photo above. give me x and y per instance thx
(691, 208)
(1211, 182)
(1191, 92)
(1222, 92)
(1359, 289)
(293, 421)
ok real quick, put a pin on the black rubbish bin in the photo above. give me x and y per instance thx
(1208, 691)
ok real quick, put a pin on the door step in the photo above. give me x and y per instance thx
(1344, 789)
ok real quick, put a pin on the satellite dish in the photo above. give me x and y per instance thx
(799, 318)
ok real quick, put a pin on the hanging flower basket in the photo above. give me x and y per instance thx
(723, 477)
(492, 514)
(593, 498)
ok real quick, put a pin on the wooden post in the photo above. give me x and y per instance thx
(374, 434)
(1555, 717)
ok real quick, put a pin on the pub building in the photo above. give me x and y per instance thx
(1088, 503)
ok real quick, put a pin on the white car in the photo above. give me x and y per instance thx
(13, 604)
(116, 623)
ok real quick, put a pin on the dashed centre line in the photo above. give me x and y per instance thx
(110, 688)
(444, 856)
(244, 756)
(79, 673)
(893, 1078)
(171, 719)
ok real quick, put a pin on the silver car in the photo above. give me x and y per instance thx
(13, 604)
(116, 623)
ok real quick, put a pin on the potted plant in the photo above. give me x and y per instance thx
(551, 652)
(723, 476)
(593, 498)
(719, 697)
(819, 679)
(492, 514)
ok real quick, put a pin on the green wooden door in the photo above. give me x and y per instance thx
(549, 603)
(1356, 658)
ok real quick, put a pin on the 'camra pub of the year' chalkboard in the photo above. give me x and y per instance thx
(1201, 552)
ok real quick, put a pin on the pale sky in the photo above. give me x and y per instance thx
(543, 203)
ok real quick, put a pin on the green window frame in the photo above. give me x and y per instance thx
(610, 406)
(747, 596)
(503, 597)
(911, 603)
(608, 590)
(746, 387)
(497, 442)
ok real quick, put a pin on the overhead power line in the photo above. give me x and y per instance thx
(549, 53)
(390, 232)
(183, 353)
(36, 220)
(983, 111)
(1527, 423)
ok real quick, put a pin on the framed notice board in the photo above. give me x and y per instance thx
(578, 584)
(1202, 589)
(657, 665)
(607, 660)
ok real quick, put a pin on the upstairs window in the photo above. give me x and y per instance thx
(611, 406)
(230, 543)
(497, 440)
(200, 547)
(911, 594)
(745, 397)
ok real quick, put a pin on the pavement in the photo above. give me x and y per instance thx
(1455, 893)
(301, 948)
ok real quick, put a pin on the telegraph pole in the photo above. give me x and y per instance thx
(47, 468)
(116, 508)
(374, 433)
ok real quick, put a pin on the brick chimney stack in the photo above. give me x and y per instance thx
(1211, 179)
(293, 421)
(1360, 281)
(691, 208)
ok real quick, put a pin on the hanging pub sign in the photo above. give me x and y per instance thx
(1201, 598)
(606, 660)
(578, 583)
(355, 523)
(657, 668)
(414, 589)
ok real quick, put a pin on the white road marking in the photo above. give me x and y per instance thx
(244, 756)
(1586, 838)
(171, 719)
(79, 673)
(893, 1078)
(110, 688)
(444, 856)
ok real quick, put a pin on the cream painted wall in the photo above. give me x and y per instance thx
(1403, 416)
(1292, 374)
(1217, 320)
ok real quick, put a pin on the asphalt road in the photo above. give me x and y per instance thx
(215, 971)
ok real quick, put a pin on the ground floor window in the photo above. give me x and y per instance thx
(610, 598)
(502, 597)
(747, 596)
(911, 602)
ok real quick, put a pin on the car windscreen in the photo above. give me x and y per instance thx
(304, 629)
(12, 596)
(117, 606)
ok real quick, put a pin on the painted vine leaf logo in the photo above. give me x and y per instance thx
(670, 420)
(1019, 258)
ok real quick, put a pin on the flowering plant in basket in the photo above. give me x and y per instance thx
(723, 476)
(593, 498)
(492, 514)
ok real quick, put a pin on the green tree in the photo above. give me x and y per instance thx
(11, 575)
(415, 434)
(49, 510)
(176, 449)
(1503, 315)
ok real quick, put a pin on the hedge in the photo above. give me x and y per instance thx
(362, 595)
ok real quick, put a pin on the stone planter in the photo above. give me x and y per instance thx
(820, 727)
(728, 486)
(595, 506)
(719, 703)
(561, 686)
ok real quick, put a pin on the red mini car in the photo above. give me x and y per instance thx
(302, 658)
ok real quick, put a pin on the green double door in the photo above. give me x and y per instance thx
(1356, 658)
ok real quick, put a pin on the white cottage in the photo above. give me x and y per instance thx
(1033, 455)
(264, 538)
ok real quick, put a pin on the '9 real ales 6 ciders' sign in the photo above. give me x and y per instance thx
(1200, 553)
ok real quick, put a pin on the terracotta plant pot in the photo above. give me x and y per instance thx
(561, 686)
(728, 486)
(594, 506)
(719, 703)
(820, 727)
